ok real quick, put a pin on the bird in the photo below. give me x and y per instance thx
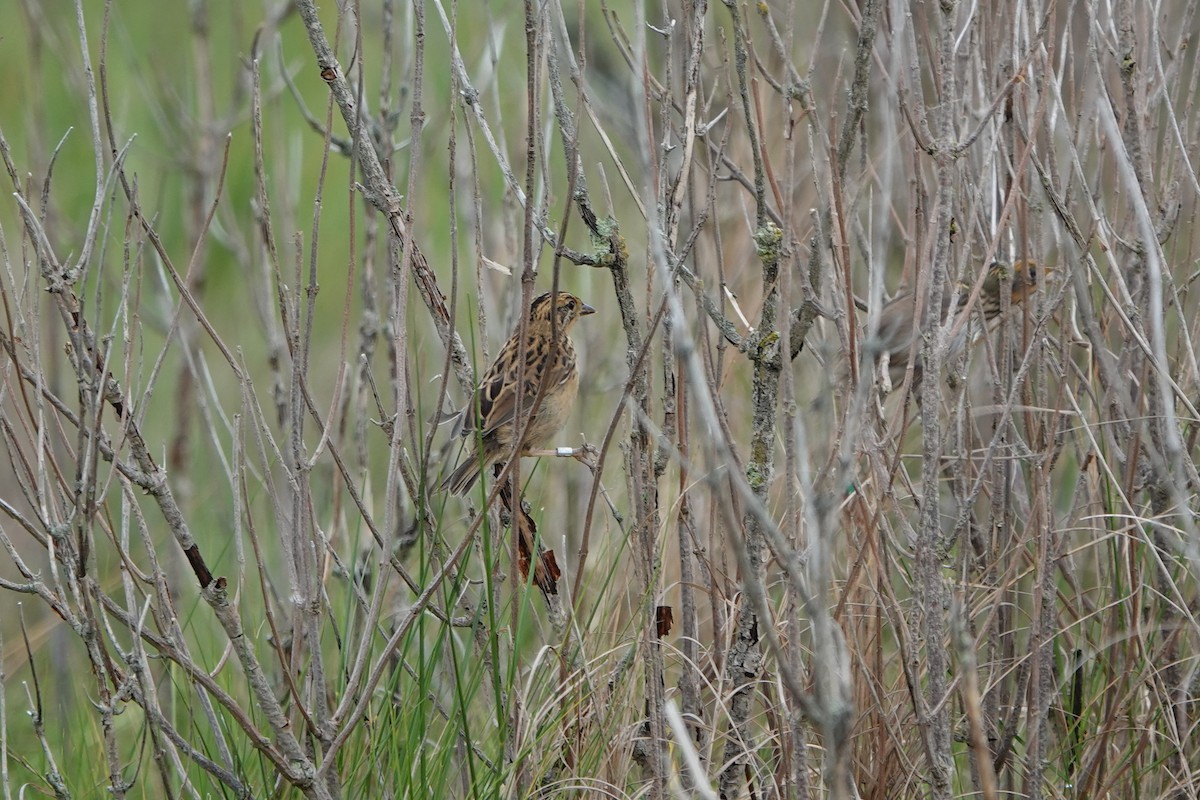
(489, 419)
(899, 325)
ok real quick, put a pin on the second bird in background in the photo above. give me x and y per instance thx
(899, 325)
(489, 419)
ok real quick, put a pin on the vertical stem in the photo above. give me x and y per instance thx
(930, 548)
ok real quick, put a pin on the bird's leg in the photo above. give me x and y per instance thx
(585, 453)
(558, 452)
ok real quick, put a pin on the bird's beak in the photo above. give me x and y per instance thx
(583, 312)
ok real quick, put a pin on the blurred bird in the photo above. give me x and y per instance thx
(899, 325)
(489, 418)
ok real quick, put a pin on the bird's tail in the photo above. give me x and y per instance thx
(463, 477)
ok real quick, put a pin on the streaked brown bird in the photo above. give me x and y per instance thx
(489, 418)
(899, 325)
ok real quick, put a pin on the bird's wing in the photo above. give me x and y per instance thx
(497, 395)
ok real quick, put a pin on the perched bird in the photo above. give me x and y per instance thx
(489, 418)
(899, 325)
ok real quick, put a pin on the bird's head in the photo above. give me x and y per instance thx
(568, 307)
(1021, 275)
